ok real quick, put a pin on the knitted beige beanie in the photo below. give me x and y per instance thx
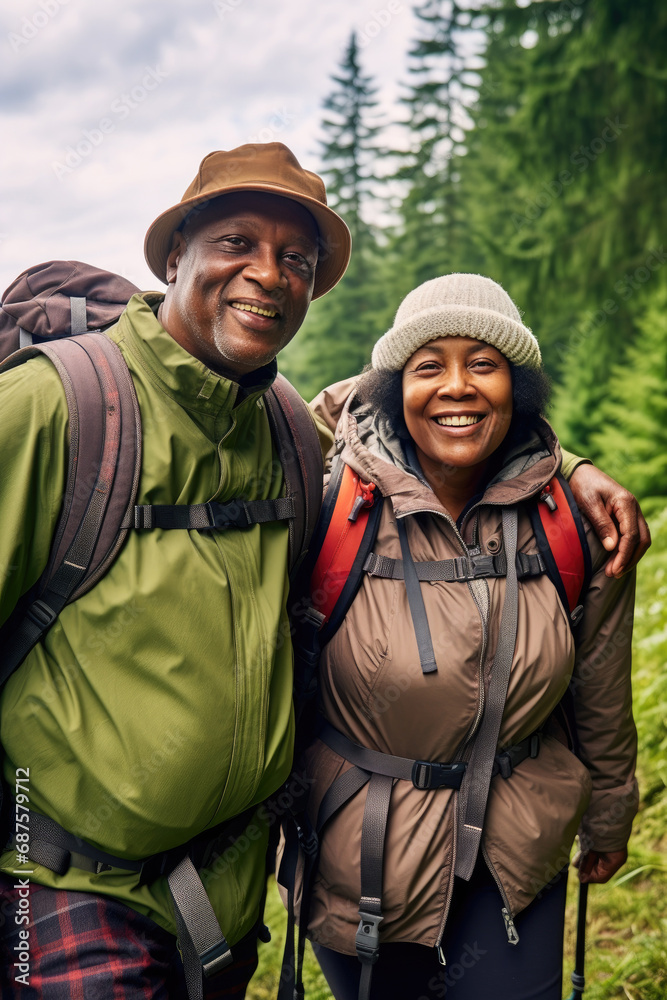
(457, 305)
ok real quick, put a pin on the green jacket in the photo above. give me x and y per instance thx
(159, 704)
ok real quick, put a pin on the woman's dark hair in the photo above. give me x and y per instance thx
(382, 393)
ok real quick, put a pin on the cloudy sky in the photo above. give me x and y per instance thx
(108, 108)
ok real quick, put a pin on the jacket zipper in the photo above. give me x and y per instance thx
(484, 620)
(484, 616)
(450, 891)
(471, 733)
(261, 735)
(506, 911)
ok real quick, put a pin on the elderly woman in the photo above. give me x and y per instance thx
(459, 872)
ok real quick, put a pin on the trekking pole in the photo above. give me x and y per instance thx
(578, 978)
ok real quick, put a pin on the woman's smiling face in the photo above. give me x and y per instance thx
(457, 403)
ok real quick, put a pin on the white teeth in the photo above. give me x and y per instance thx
(254, 309)
(458, 421)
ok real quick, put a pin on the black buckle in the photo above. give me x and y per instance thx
(307, 841)
(534, 745)
(216, 958)
(484, 566)
(431, 774)
(41, 615)
(479, 567)
(315, 619)
(367, 939)
(160, 864)
(505, 764)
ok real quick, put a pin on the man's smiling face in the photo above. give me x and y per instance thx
(241, 279)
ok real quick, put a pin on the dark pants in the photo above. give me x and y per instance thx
(87, 947)
(481, 964)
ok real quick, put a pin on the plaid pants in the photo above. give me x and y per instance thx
(87, 947)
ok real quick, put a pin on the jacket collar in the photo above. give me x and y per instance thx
(374, 451)
(180, 375)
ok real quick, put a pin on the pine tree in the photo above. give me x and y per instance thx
(350, 143)
(432, 236)
(632, 437)
(339, 332)
(563, 184)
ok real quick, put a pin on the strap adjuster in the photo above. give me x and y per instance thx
(41, 614)
(216, 958)
(462, 568)
(432, 774)
(143, 517)
(505, 765)
(157, 865)
(577, 614)
(534, 745)
(367, 938)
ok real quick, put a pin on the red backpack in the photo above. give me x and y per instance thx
(341, 552)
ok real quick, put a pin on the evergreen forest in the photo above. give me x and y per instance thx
(530, 145)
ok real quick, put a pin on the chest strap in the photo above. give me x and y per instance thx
(424, 774)
(203, 945)
(212, 516)
(456, 570)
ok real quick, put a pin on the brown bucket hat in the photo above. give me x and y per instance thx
(269, 167)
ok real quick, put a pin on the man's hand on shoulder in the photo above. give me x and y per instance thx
(615, 515)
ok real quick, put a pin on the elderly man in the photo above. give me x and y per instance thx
(158, 707)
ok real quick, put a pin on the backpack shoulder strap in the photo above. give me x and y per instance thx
(329, 579)
(344, 537)
(561, 539)
(102, 479)
(295, 437)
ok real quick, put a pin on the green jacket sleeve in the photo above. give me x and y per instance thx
(324, 433)
(33, 446)
(572, 462)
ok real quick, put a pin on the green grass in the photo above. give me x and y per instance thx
(627, 919)
(264, 985)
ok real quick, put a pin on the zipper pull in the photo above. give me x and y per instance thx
(547, 497)
(441, 954)
(512, 935)
(365, 499)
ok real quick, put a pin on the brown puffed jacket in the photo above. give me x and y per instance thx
(373, 691)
